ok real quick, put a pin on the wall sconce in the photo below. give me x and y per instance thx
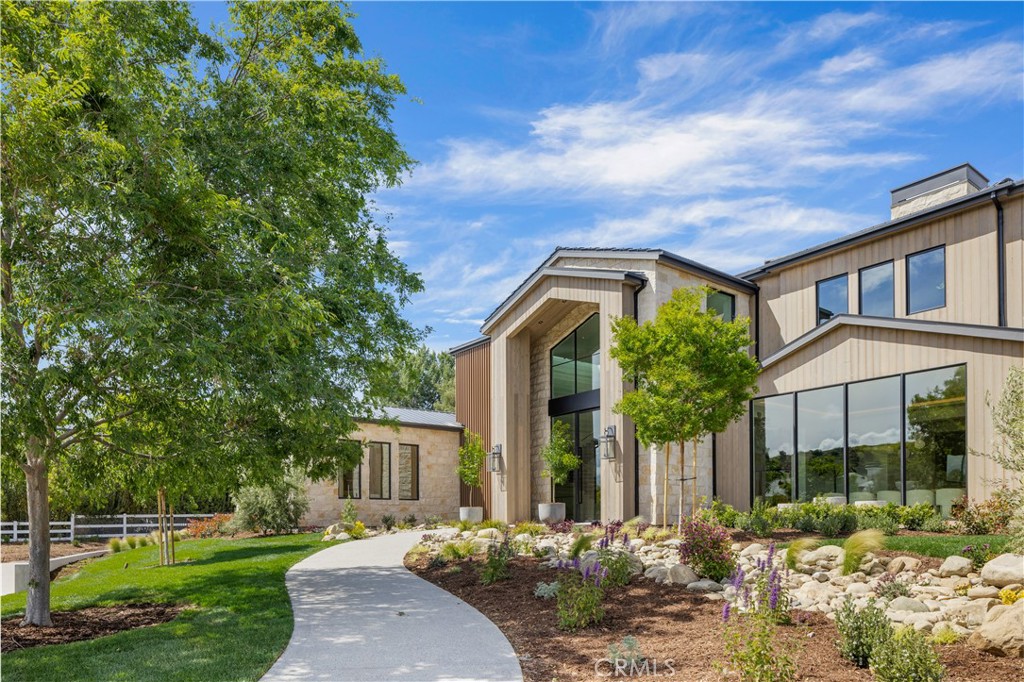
(494, 459)
(608, 443)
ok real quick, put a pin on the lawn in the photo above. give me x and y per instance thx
(940, 546)
(241, 624)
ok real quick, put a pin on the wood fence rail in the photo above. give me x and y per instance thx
(85, 526)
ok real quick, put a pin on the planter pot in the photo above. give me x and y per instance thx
(551, 512)
(471, 514)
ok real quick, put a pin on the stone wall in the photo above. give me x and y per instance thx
(438, 474)
(651, 477)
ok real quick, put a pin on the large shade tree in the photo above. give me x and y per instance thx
(424, 379)
(693, 374)
(192, 277)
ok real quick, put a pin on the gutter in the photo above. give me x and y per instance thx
(636, 443)
(1000, 259)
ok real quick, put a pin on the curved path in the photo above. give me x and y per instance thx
(361, 615)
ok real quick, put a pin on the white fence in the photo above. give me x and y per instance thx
(79, 526)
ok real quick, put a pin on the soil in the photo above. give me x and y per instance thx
(18, 551)
(668, 623)
(89, 623)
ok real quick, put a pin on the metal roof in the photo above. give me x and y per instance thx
(424, 418)
(478, 341)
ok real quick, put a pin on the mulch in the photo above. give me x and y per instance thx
(668, 623)
(18, 551)
(88, 623)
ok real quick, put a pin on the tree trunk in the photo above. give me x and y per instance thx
(664, 492)
(693, 505)
(172, 534)
(37, 604)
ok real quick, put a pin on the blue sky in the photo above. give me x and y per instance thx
(728, 133)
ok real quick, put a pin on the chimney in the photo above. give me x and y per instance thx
(936, 189)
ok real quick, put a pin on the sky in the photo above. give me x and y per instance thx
(729, 133)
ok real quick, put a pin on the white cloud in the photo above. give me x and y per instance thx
(855, 61)
(834, 25)
(659, 67)
(616, 23)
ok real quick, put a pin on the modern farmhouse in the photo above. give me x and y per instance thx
(879, 352)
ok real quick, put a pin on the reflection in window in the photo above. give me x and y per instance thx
(349, 479)
(936, 414)
(722, 303)
(378, 457)
(773, 448)
(575, 360)
(877, 292)
(833, 298)
(408, 472)
(874, 440)
(926, 280)
(820, 443)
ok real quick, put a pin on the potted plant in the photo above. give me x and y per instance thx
(471, 463)
(560, 459)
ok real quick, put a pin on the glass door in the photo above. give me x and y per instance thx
(581, 493)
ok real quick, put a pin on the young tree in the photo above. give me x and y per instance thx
(1008, 421)
(559, 455)
(472, 456)
(692, 370)
(188, 252)
(425, 380)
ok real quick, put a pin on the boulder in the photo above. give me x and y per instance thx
(1005, 569)
(752, 549)
(342, 536)
(922, 621)
(907, 604)
(658, 574)
(704, 586)
(955, 566)
(972, 613)
(821, 576)
(983, 592)
(328, 538)
(332, 529)
(523, 538)
(1004, 635)
(489, 533)
(636, 544)
(858, 589)
(681, 574)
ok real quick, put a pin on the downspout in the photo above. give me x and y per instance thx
(636, 443)
(1000, 259)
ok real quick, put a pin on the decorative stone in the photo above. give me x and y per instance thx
(983, 592)
(636, 544)
(1004, 635)
(328, 538)
(858, 589)
(752, 549)
(955, 565)
(922, 621)
(1005, 569)
(907, 604)
(702, 586)
(903, 563)
(821, 576)
(658, 574)
(342, 536)
(681, 574)
(972, 613)
(489, 533)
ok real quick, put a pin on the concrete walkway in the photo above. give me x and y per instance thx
(361, 615)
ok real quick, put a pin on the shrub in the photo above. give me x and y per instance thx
(861, 632)
(529, 528)
(493, 523)
(433, 521)
(495, 567)
(465, 525)
(944, 635)
(207, 527)
(274, 508)
(882, 522)
(1009, 596)
(985, 518)
(978, 554)
(707, 549)
(618, 565)
(143, 541)
(890, 587)
(457, 551)
(388, 521)
(628, 652)
(349, 515)
(566, 526)
(914, 517)
(357, 531)
(796, 547)
(115, 545)
(720, 513)
(546, 590)
(858, 545)
(581, 545)
(769, 597)
(759, 521)
(578, 601)
(907, 656)
(409, 520)
(131, 541)
(437, 561)
(935, 524)
(753, 653)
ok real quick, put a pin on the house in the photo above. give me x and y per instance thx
(409, 468)
(879, 351)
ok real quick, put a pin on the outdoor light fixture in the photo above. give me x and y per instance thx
(608, 443)
(494, 460)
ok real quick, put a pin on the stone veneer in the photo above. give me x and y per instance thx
(438, 470)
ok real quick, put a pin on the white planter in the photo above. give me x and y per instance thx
(471, 514)
(551, 512)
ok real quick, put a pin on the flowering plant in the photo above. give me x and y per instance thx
(579, 594)
(978, 554)
(706, 548)
(768, 598)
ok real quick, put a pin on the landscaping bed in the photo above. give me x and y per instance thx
(668, 623)
(18, 551)
(84, 624)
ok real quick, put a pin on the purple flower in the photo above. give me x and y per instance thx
(774, 586)
(725, 612)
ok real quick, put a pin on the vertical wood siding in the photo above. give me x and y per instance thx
(473, 409)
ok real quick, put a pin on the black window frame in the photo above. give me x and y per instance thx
(860, 285)
(575, 376)
(945, 279)
(817, 298)
(416, 449)
(732, 298)
(369, 491)
(357, 483)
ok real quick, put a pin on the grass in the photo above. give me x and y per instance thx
(940, 546)
(241, 625)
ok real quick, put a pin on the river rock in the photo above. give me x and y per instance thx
(752, 549)
(1002, 636)
(658, 574)
(983, 592)
(858, 589)
(907, 604)
(1005, 569)
(972, 613)
(488, 533)
(702, 586)
(955, 566)
(681, 574)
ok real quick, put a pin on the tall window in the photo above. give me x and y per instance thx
(819, 437)
(936, 414)
(874, 438)
(773, 448)
(926, 280)
(378, 457)
(408, 472)
(722, 303)
(833, 298)
(877, 291)
(349, 480)
(576, 360)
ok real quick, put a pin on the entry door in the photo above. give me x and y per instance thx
(581, 493)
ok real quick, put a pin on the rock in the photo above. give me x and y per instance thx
(681, 574)
(489, 533)
(829, 553)
(815, 593)
(481, 544)
(907, 604)
(972, 613)
(342, 536)
(955, 565)
(636, 544)
(658, 574)
(820, 576)
(858, 589)
(328, 538)
(714, 596)
(903, 563)
(994, 612)
(922, 621)
(702, 586)
(983, 592)
(752, 549)
(1002, 636)
(1005, 569)
(524, 538)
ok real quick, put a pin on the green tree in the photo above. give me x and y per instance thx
(189, 258)
(472, 456)
(559, 455)
(425, 380)
(692, 371)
